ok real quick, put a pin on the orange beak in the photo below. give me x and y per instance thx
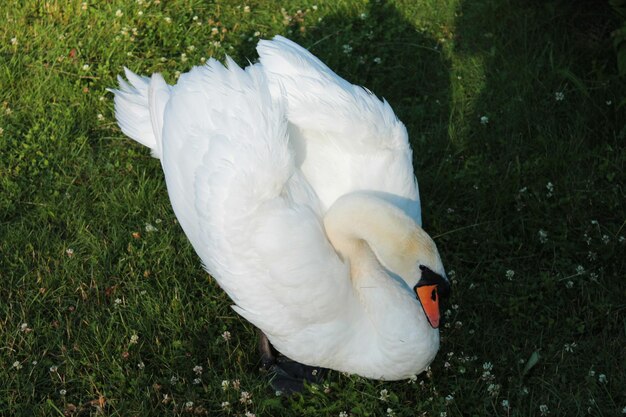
(427, 294)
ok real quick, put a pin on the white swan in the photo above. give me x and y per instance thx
(296, 189)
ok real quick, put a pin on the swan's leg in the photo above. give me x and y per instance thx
(287, 376)
(268, 358)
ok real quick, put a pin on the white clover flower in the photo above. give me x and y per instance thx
(150, 228)
(257, 33)
(484, 120)
(390, 412)
(194, 18)
(510, 274)
(63, 392)
(34, 363)
(449, 398)
(245, 398)
(183, 57)
(225, 405)
(173, 380)
(377, 60)
(24, 327)
(100, 116)
(606, 239)
(17, 365)
(412, 379)
(543, 236)
(249, 414)
(119, 13)
(141, 365)
(602, 379)
(347, 49)
(236, 384)
(363, 16)
(85, 67)
(54, 368)
(168, 19)
(214, 31)
(384, 395)
(140, 13)
(569, 347)
(580, 269)
(134, 339)
(189, 404)
(543, 409)
(246, 9)
(569, 284)
(493, 389)
(487, 366)
(118, 301)
(559, 96)
(505, 404)
(197, 370)
(225, 384)
(343, 414)
(226, 336)
(197, 381)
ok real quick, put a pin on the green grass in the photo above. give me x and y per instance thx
(553, 330)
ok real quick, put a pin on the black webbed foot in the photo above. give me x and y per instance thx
(286, 376)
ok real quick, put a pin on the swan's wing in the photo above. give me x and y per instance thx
(248, 211)
(346, 139)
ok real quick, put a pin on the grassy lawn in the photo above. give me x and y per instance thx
(516, 115)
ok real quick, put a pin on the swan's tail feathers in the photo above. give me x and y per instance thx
(139, 107)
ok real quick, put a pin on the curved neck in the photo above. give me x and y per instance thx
(359, 223)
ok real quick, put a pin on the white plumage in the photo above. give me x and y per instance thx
(296, 189)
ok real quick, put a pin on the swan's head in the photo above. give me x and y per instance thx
(400, 245)
(420, 266)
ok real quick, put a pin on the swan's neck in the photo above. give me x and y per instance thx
(380, 244)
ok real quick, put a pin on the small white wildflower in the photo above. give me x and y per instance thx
(591, 256)
(24, 327)
(390, 412)
(225, 384)
(246, 9)
(134, 339)
(602, 379)
(177, 74)
(580, 269)
(594, 222)
(194, 18)
(550, 188)
(412, 379)
(140, 13)
(226, 336)
(1, 131)
(168, 19)
(593, 277)
(257, 33)
(505, 404)
(443, 414)
(191, 48)
(347, 49)
(85, 67)
(449, 398)
(543, 236)
(624, 410)
(343, 414)
(197, 370)
(377, 60)
(487, 366)
(17, 365)
(141, 365)
(183, 57)
(249, 414)
(63, 392)
(34, 363)
(245, 398)
(621, 239)
(569, 347)
(197, 381)
(100, 116)
(543, 409)
(54, 368)
(173, 380)
(510, 274)
(384, 395)
(118, 301)
(559, 96)
(493, 389)
(150, 228)
(569, 284)
(484, 120)
(119, 13)
(225, 405)
(363, 16)
(592, 373)
(606, 239)
(189, 404)
(214, 31)
(14, 41)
